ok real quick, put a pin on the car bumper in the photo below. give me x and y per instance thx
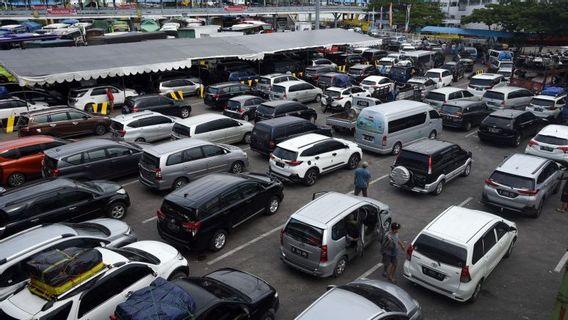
(556, 156)
(154, 184)
(453, 124)
(492, 199)
(321, 272)
(429, 188)
(179, 242)
(495, 137)
(294, 178)
(232, 114)
(461, 295)
(374, 148)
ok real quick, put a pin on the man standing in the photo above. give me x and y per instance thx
(110, 97)
(362, 177)
(391, 251)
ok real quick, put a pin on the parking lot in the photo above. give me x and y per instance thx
(521, 287)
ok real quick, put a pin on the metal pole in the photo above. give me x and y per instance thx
(318, 2)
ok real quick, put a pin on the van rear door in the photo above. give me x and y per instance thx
(301, 244)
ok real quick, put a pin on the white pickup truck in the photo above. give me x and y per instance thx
(346, 120)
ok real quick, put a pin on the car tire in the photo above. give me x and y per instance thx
(467, 126)
(396, 148)
(140, 139)
(177, 274)
(184, 112)
(100, 130)
(180, 183)
(117, 210)
(400, 175)
(218, 240)
(268, 315)
(246, 117)
(347, 106)
(476, 292)
(340, 267)
(272, 206)
(467, 170)
(439, 188)
(510, 249)
(311, 177)
(16, 179)
(353, 161)
(433, 135)
(317, 98)
(246, 138)
(237, 167)
(538, 210)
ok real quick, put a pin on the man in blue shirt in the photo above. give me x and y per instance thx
(362, 177)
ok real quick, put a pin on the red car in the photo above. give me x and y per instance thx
(20, 159)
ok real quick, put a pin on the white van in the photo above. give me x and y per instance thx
(385, 128)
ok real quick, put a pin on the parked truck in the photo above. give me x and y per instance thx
(347, 120)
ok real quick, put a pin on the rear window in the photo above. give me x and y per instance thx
(77, 93)
(440, 251)
(261, 133)
(493, 95)
(264, 81)
(481, 82)
(279, 89)
(380, 298)
(412, 160)
(542, 102)
(451, 109)
(264, 109)
(332, 93)
(10, 154)
(436, 96)
(551, 140)
(172, 209)
(285, 154)
(497, 121)
(432, 75)
(304, 233)
(116, 125)
(370, 124)
(233, 105)
(213, 90)
(512, 180)
(149, 161)
(326, 79)
(181, 130)
(355, 70)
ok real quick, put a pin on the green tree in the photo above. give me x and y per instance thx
(421, 13)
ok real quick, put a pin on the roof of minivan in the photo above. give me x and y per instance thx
(461, 103)
(428, 146)
(325, 208)
(505, 89)
(460, 224)
(25, 141)
(225, 84)
(398, 106)
(280, 121)
(79, 146)
(198, 119)
(276, 103)
(520, 164)
(33, 189)
(289, 83)
(244, 97)
(487, 76)
(196, 193)
(123, 118)
(174, 145)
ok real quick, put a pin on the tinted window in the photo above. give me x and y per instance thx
(96, 155)
(304, 233)
(73, 115)
(339, 230)
(41, 119)
(45, 204)
(441, 251)
(512, 180)
(30, 150)
(493, 95)
(230, 198)
(286, 154)
(502, 229)
(477, 251)
(204, 127)
(71, 197)
(489, 240)
(412, 160)
(60, 313)
(407, 122)
(436, 96)
(118, 152)
(551, 140)
(174, 158)
(62, 116)
(226, 123)
(212, 151)
(74, 159)
(264, 109)
(192, 154)
(98, 92)
(434, 114)
(250, 189)
(497, 121)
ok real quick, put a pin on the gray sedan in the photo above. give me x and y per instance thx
(18, 248)
(186, 86)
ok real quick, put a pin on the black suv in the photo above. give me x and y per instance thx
(463, 114)
(267, 134)
(281, 108)
(359, 72)
(427, 166)
(509, 126)
(201, 214)
(158, 103)
(217, 95)
(61, 199)
(456, 68)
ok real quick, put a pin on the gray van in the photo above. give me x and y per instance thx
(324, 235)
(173, 164)
(300, 91)
(385, 128)
(507, 98)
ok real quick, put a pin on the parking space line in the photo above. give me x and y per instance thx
(373, 269)
(466, 201)
(471, 134)
(561, 263)
(130, 182)
(244, 245)
(150, 219)
(373, 181)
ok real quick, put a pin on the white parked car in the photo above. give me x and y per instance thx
(372, 83)
(130, 268)
(170, 26)
(455, 253)
(341, 98)
(83, 98)
(548, 107)
(481, 82)
(16, 106)
(551, 142)
(304, 158)
(213, 127)
(189, 86)
(442, 77)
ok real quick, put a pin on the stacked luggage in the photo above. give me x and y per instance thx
(55, 272)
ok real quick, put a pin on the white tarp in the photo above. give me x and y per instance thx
(50, 65)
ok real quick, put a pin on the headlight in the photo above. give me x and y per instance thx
(121, 191)
(275, 294)
(179, 256)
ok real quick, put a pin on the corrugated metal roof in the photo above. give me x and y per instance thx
(467, 32)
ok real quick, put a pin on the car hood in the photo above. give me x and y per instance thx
(164, 252)
(249, 285)
(409, 302)
(230, 147)
(104, 186)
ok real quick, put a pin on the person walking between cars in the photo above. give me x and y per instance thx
(390, 247)
(564, 196)
(362, 177)
(110, 98)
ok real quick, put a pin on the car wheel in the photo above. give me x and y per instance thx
(476, 292)
(439, 188)
(467, 170)
(16, 179)
(117, 210)
(353, 161)
(433, 135)
(510, 249)
(311, 177)
(318, 98)
(396, 148)
(179, 183)
(347, 106)
(184, 112)
(218, 240)
(246, 138)
(340, 267)
(178, 274)
(273, 205)
(100, 130)
(467, 126)
(538, 209)
(237, 167)
(246, 117)
(140, 139)
(268, 315)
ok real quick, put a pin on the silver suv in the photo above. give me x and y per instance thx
(323, 236)
(16, 249)
(266, 82)
(522, 183)
(145, 126)
(173, 164)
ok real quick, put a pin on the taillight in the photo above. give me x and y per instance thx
(135, 109)
(161, 215)
(430, 165)
(490, 183)
(458, 114)
(384, 141)
(528, 192)
(338, 98)
(241, 110)
(272, 156)
(158, 173)
(191, 226)
(271, 145)
(503, 103)
(293, 163)
(564, 149)
(532, 143)
(409, 251)
(216, 96)
(122, 133)
(465, 276)
(55, 172)
(323, 255)
(113, 317)
(282, 232)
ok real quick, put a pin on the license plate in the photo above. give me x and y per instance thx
(544, 148)
(368, 138)
(432, 273)
(538, 109)
(493, 130)
(299, 252)
(279, 164)
(507, 194)
(173, 226)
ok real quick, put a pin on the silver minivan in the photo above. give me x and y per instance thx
(173, 164)
(385, 128)
(145, 126)
(328, 232)
(507, 98)
(266, 82)
(300, 91)
(214, 128)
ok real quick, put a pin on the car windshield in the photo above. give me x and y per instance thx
(551, 140)
(219, 289)
(412, 160)
(493, 95)
(304, 233)
(213, 90)
(440, 251)
(481, 82)
(451, 109)
(381, 298)
(542, 102)
(285, 154)
(497, 121)
(149, 161)
(436, 96)
(368, 82)
(264, 109)
(513, 181)
(332, 93)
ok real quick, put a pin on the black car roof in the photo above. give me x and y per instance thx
(83, 145)
(225, 84)
(280, 121)
(202, 297)
(278, 103)
(428, 147)
(34, 189)
(144, 97)
(197, 193)
(507, 113)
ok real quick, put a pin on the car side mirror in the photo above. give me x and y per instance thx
(331, 286)
(512, 229)
(2, 190)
